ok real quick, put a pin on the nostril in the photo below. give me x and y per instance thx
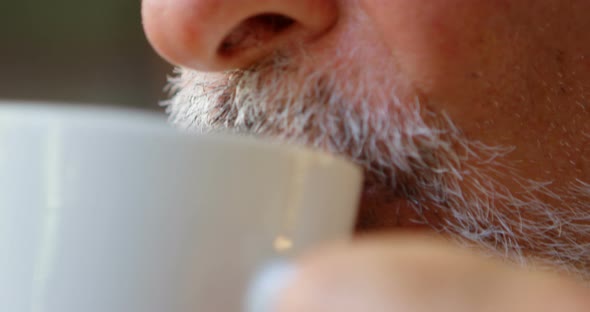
(254, 32)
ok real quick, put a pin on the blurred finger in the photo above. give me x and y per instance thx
(421, 274)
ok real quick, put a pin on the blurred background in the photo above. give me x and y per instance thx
(79, 51)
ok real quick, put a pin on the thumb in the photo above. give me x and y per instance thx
(418, 274)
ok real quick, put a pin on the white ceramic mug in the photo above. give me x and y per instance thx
(115, 211)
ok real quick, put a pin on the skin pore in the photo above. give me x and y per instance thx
(470, 117)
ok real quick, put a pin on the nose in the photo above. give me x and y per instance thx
(213, 35)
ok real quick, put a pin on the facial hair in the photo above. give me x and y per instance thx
(408, 151)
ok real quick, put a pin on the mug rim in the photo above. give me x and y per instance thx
(52, 114)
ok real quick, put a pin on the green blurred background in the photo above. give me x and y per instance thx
(79, 51)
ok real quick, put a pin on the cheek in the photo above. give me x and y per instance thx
(462, 55)
(442, 44)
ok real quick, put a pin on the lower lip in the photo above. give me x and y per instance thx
(378, 214)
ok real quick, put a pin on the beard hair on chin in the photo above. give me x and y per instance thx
(406, 151)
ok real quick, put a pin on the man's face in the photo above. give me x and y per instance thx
(470, 117)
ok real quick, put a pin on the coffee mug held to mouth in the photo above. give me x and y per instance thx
(104, 210)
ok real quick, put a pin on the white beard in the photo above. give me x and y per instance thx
(407, 152)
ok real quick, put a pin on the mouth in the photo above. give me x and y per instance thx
(393, 216)
(384, 207)
(277, 100)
